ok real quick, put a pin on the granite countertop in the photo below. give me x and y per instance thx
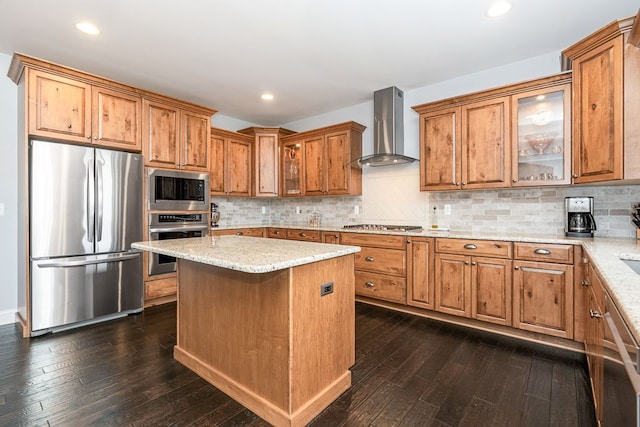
(247, 254)
(621, 281)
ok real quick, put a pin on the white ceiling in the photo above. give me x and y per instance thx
(315, 56)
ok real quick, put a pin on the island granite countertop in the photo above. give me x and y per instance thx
(246, 254)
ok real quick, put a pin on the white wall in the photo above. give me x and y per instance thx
(8, 194)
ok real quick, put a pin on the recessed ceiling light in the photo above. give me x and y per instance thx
(87, 28)
(499, 8)
(267, 97)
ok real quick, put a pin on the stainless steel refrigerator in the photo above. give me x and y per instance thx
(85, 210)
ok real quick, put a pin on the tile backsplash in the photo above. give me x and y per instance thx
(531, 211)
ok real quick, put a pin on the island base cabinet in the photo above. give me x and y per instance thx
(271, 341)
(543, 298)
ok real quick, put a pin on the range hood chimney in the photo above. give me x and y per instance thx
(388, 129)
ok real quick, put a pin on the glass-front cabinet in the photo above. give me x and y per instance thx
(542, 137)
(292, 171)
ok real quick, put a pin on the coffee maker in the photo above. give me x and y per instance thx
(578, 218)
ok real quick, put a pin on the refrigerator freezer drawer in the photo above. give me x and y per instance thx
(76, 289)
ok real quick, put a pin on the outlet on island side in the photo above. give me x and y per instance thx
(447, 209)
(326, 289)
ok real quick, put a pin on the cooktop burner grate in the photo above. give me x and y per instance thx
(381, 227)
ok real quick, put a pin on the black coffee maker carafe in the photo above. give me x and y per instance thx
(578, 219)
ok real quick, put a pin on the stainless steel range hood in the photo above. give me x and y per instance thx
(388, 129)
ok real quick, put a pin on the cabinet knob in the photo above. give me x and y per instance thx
(88, 136)
(69, 126)
(464, 183)
(369, 284)
(514, 180)
(466, 263)
(542, 252)
(369, 258)
(585, 283)
(593, 107)
(95, 137)
(302, 235)
(574, 176)
(515, 267)
(276, 232)
(595, 314)
(239, 233)
(473, 263)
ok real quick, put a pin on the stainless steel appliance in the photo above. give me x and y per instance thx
(85, 211)
(177, 190)
(173, 226)
(381, 227)
(621, 379)
(578, 218)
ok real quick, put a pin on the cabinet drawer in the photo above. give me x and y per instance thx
(379, 260)
(492, 248)
(381, 286)
(160, 288)
(544, 252)
(305, 235)
(250, 232)
(277, 233)
(378, 240)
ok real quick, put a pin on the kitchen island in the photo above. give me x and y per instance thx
(269, 322)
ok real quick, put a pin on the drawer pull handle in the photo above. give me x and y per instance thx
(276, 232)
(369, 258)
(595, 314)
(542, 252)
(516, 268)
(585, 283)
(470, 246)
(369, 284)
(302, 235)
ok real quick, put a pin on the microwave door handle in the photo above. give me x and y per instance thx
(91, 201)
(100, 198)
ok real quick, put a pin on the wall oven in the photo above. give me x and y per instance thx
(164, 226)
(621, 379)
(177, 190)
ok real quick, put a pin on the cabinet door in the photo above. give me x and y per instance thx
(331, 237)
(420, 285)
(453, 284)
(314, 166)
(238, 172)
(217, 165)
(491, 290)
(59, 107)
(541, 133)
(486, 145)
(292, 169)
(543, 298)
(117, 119)
(598, 113)
(593, 346)
(161, 127)
(337, 162)
(196, 130)
(266, 167)
(440, 150)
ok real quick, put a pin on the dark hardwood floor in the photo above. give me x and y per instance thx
(409, 371)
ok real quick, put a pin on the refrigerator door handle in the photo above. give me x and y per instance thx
(91, 200)
(100, 198)
(58, 263)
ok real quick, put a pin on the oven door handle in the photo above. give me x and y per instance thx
(634, 377)
(172, 229)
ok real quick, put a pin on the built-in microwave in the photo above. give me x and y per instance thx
(170, 190)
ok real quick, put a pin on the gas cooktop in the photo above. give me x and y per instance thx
(381, 227)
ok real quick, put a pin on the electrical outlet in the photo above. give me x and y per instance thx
(447, 209)
(298, 210)
(356, 210)
(326, 289)
(1, 209)
(264, 210)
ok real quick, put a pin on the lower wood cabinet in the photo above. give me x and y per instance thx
(543, 298)
(420, 273)
(249, 232)
(304, 235)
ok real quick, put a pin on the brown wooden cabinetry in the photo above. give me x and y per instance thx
(276, 233)
(249, 232)
(594, 334)
(332, 237)
(420, 272)
(319, 162)
(473, 279)
(174, 137)
(266, 156)
(230, 172)
(543, 291)
(606, 130)
(304, 235)
(380, 266)
(73, 110)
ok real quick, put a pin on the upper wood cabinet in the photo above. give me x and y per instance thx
(230, 163)
(319, 162)
(482, 140)
(65, 108)
(266, 159)
(606, 129)
(174, 137)
(541, 135)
